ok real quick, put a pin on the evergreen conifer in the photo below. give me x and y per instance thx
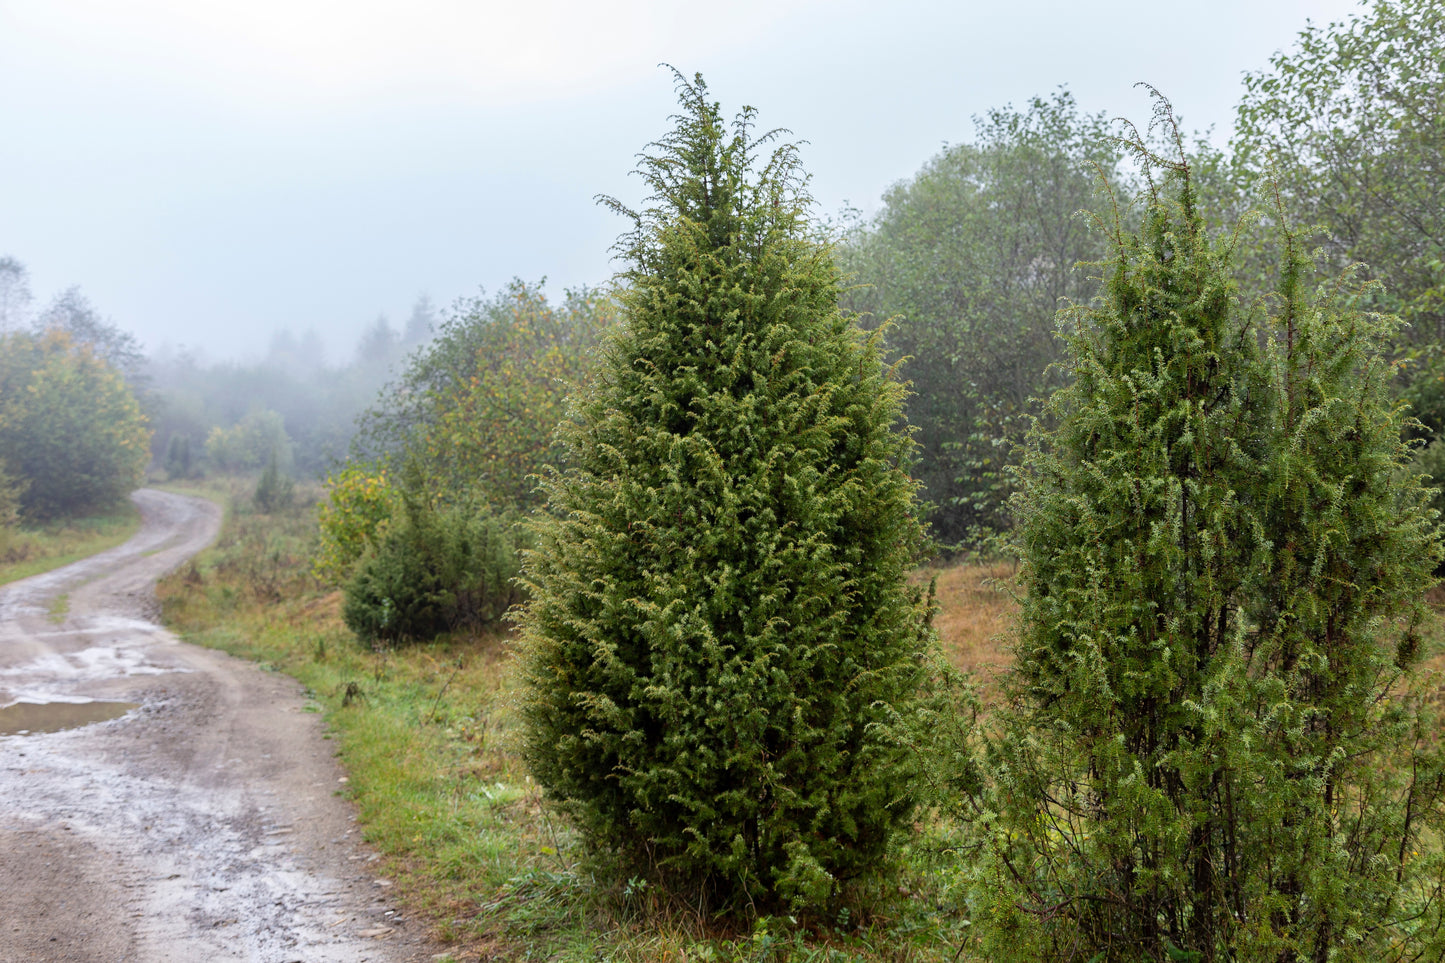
(1212, 750)
(178, 456)
(11, 488)
(435, 566)
(274, 491)
(719, 617)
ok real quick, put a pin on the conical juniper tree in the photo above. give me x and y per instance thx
(719, 620)
(1214, 748)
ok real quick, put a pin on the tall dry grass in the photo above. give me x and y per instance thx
(975, 620)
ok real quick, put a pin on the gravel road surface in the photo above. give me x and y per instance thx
(203, 824)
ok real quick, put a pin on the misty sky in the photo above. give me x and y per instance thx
(210, 172)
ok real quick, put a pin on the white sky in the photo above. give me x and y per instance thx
(210, 171)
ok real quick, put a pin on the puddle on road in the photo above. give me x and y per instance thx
(26, 718)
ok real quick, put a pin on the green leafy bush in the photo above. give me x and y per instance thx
(719, 618)
(71, 429)
(435, 569)
(360, 501)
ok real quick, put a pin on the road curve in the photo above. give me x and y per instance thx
(202, 825)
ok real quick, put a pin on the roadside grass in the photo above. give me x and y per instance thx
(226, 490)
(33, 550)
(428, 736)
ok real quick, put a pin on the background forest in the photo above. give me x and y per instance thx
(968, 261)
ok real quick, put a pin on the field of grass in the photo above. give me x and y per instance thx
(35, 549)
(427, 734)
(975, 614)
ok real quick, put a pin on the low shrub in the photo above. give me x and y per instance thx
(361, 500)
(434, 570)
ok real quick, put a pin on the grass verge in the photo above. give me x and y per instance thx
(33, 550)
(427, 734)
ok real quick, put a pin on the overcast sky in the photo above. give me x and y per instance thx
(211, 171)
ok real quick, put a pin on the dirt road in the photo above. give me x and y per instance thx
(202, 825)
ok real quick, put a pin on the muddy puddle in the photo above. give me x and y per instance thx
(26, 718)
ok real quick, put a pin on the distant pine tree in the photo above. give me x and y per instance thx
(719, 616)
(11, 488)
(178, 456)
(274, 491)
(1213, 750)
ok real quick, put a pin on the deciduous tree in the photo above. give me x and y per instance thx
(15, 296)
(1348, 124)
(251, 443)
(972, 256)
(477, 406)
(70, 427)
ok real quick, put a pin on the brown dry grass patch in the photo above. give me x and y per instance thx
(975, 620)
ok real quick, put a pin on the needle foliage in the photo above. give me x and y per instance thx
(719, 621)
(1214, 747)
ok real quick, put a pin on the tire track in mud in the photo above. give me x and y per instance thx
(201, 825)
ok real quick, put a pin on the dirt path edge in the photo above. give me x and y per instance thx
(204, 824)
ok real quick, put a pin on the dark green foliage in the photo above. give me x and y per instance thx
(438, 568)
(1213, 748)
(1430, 461)
(274, 491)
(719, 617)
(178, 457)
(11, 488)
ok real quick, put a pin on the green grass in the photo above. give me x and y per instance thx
(219, 489)
(36, 549)
(225, 490)
(428, 736)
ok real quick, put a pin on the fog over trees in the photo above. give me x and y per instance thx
(966, 262)
(311, 404)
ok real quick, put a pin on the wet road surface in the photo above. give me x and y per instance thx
(200, 825)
